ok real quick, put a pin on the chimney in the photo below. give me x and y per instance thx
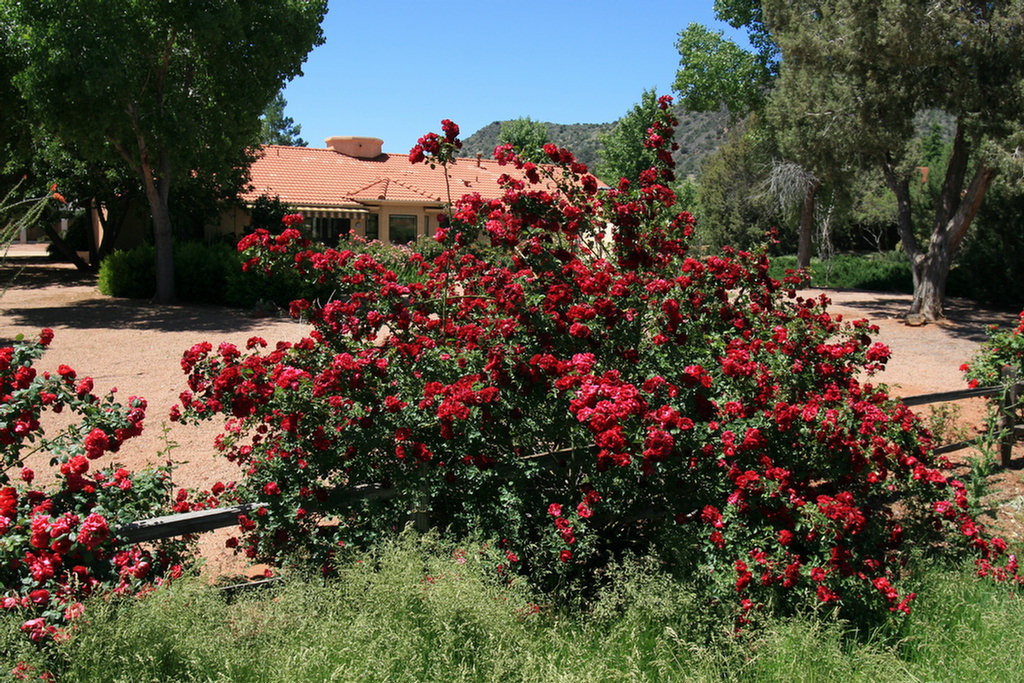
(357, 147)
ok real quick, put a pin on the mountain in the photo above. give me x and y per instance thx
(698, 134)
(580, 138)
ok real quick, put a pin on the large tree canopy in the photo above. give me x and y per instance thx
(166, 87)
(852, 76)
(855, 73)
(716, 72)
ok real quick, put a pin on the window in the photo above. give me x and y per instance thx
(372, 231)
(330, 230)
(402, 228)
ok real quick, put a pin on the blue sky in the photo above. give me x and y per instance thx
(393, 69)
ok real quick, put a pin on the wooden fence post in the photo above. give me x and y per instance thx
(421, 515)
(1008, 415)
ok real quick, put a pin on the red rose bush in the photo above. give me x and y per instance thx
(58, 541)
(570, 378)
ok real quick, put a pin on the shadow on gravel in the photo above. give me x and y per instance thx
(964, 318)
(33, 272)
(88, 309)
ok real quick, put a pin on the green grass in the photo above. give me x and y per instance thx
(382, 619)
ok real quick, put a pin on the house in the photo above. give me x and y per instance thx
(352, 187)
(349, 187)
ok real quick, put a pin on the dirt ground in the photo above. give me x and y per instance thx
(137, 346)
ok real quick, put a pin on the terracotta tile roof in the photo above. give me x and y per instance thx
(322, 177)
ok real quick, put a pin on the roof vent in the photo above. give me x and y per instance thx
(352, 146)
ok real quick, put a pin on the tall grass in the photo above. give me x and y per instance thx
(420, 611)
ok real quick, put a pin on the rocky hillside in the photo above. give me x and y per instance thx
(698, 135)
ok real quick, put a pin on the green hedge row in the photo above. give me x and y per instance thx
(204, 273)
(985, 272)
(212, 273)
(883, 272)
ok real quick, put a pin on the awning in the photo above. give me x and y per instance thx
(321, 212)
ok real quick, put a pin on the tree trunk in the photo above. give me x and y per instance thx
(157, 190)
(803, 251)
(930, 282)
(954, 212)
(930, 275)
(64, 249)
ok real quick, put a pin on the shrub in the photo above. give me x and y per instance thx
(58, 540)
(582, 398)
(1003, 348)
(202, 271)
(881, 272)
(247, 287)
(987, 267)
(130, 274)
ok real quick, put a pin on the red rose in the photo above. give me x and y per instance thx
(96, 443)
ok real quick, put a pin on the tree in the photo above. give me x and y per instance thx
(734, 209)
(715, 72)
(854, 75)
(165, 88)
(278, 129)
(623, 154)
(526, 136)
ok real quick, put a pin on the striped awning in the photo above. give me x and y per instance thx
(322, 212)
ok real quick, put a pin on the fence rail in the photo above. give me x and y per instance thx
(184, 523)
(1010, 391)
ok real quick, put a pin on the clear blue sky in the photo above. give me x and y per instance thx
(393, 69)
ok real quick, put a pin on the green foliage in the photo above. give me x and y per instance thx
(202, 271)
(624, 154)
(172, 92)
(733, 206)
(686, 194)
(202, 274)
(988, 267)
(716, 72)
(834, 115)
(527, 137)
(1003, 348)
(130, 274)
(278, 129)
(266, 213)
(208, 273)
(872, 271)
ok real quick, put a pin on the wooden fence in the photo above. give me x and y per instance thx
(1007, 426)
(208, 520)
